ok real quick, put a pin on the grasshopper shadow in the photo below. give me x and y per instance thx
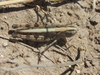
(59, 42)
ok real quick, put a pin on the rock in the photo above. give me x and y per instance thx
(5, 44)
(98, 39)
(78, 71)
(87, 64)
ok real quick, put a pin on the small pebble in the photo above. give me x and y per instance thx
(5, 44)
(2, 56)
(69, 66)
(5, 17)
(88, 64)
(78, 71)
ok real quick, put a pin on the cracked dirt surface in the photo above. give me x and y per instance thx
(84, 44)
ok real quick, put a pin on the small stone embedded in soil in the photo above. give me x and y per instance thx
(2, 56)
(1, 28)
(98, 39)
(5, 17)
(94, 23)
(78, 71)
(87, 63)
(17, 65)
(5, 44)
(69, 13)
(89, 27)
(80, 36)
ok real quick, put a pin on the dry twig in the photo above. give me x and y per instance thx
(32, 66)
(14, 1)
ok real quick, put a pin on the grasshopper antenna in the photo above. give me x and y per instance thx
(88, 34)
(89, 20)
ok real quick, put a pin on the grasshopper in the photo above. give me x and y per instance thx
(43, 33)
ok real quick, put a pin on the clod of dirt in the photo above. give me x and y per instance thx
(78, 71)
(93, 23)
(98, 39)
(5, 44)
(1, 28)
(89, 27)
(87, 64)
(69, 13)
(5, 17)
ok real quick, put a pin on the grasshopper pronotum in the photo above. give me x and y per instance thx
(42, 34)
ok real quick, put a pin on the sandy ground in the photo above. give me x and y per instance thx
(85, 44)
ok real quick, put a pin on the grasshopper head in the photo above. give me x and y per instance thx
(70, 30)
